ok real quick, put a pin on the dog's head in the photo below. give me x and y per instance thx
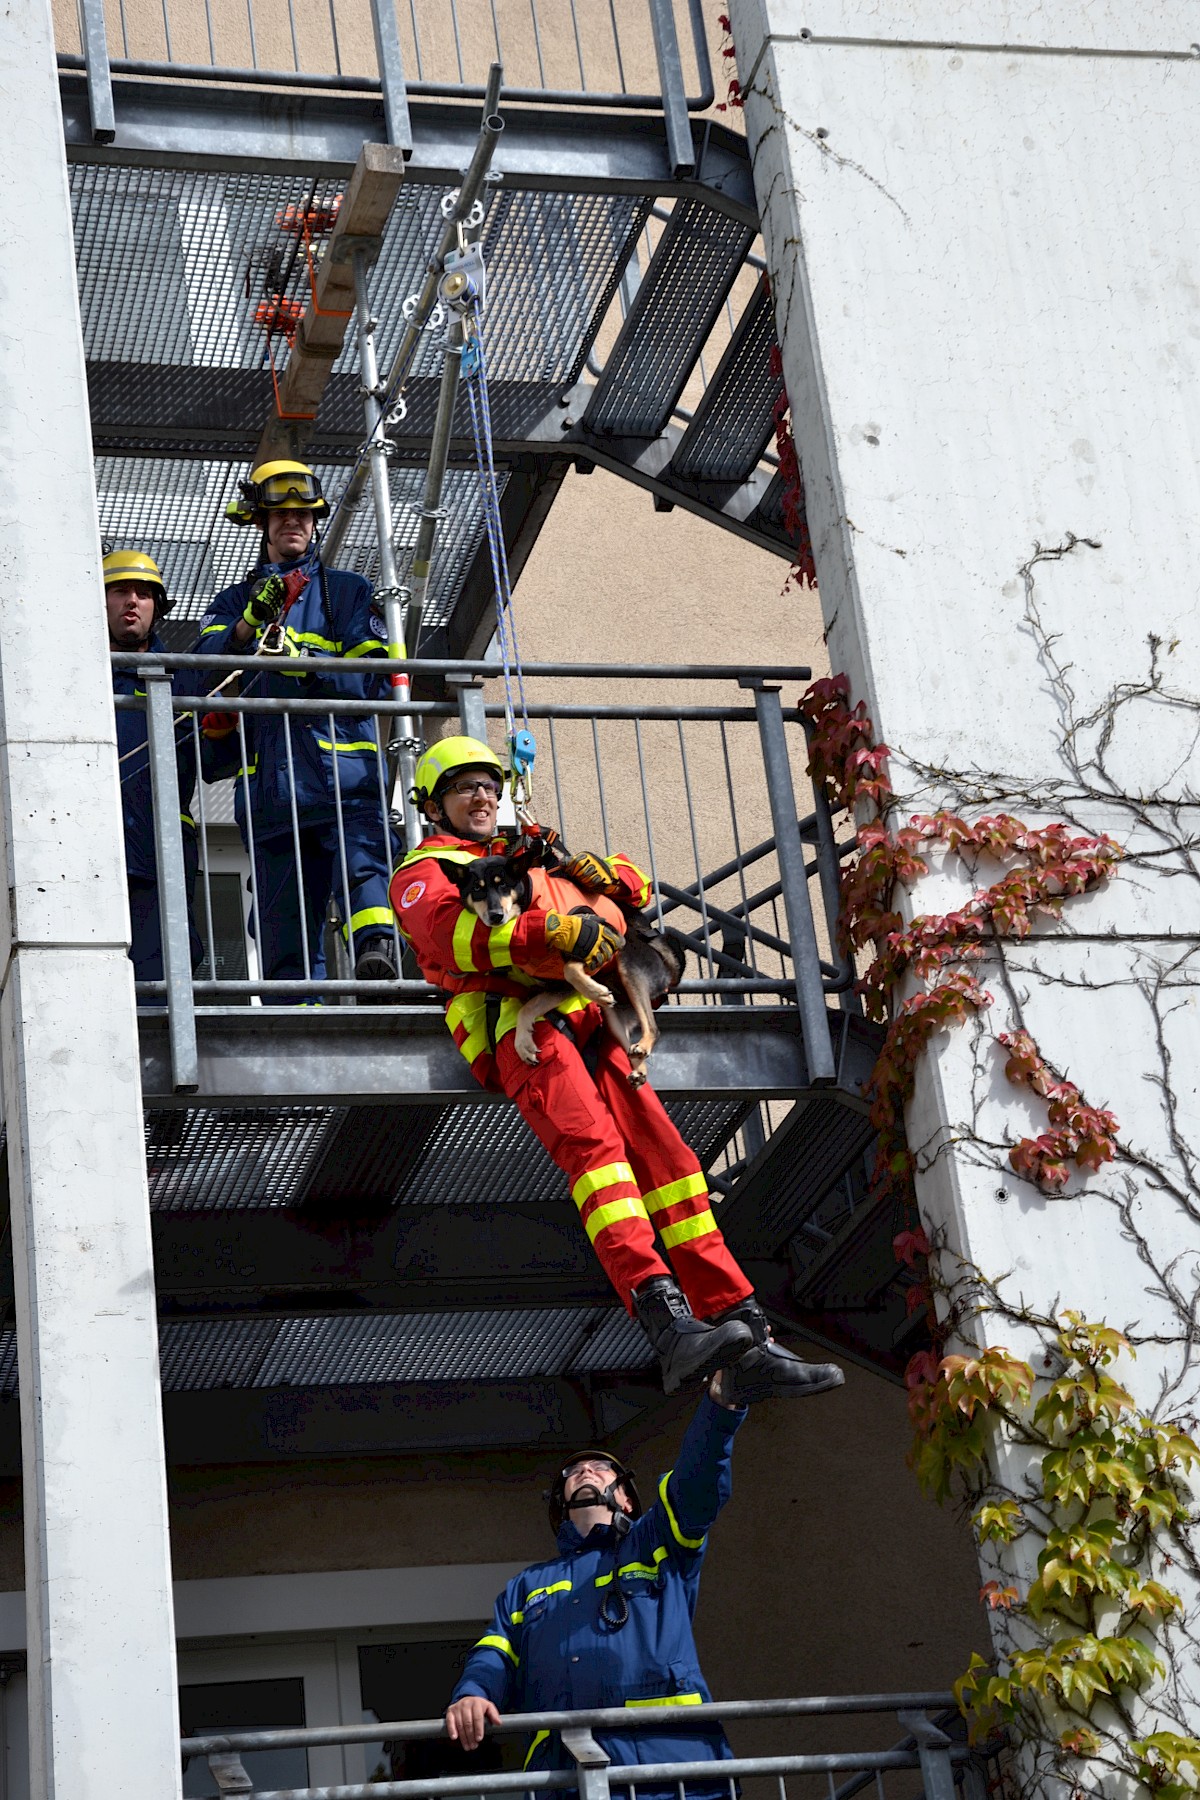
(496, 887)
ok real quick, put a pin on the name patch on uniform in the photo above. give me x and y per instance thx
(412, 893)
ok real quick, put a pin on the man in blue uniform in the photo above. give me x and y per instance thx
(331, 764)
(608, 1621)
(135, 600)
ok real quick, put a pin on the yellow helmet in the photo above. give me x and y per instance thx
(283, 486)
(444, 758)
(135, 565)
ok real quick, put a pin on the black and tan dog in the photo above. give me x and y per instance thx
(648, 966)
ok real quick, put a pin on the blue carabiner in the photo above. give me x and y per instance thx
(522, 749)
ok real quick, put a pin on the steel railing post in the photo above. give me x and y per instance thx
(680, 152)
(172, 879)
(806, 958)
(933, 1748)
(93, 38)
(391, 75)
(227, 1771)
(471, 714)
(591, 1763)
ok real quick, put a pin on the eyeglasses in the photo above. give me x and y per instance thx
(592, 1466)
(480, 784)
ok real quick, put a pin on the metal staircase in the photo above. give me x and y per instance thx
(357, 1252)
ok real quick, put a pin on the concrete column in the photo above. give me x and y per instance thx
(989, 310)
(103, 1710)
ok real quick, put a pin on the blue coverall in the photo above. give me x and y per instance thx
(137, 815)
(331, 617)
(548, 1646)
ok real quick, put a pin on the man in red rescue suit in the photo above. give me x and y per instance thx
(628, 1167)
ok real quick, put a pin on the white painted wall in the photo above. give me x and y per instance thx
(103, 1714)
(981, 230)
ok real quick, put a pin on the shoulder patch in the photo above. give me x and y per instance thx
(412, 894)
(379, 626)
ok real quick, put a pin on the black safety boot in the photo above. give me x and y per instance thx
(375, 961)
(688, 1348)
(767, 1371)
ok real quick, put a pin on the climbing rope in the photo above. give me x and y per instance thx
(521, 745)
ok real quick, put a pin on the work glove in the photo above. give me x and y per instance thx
(266, 601)
(218, 725)
(582, 937)
(592, 873)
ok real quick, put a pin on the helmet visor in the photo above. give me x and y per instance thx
(291, 489)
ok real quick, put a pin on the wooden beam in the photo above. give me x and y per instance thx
(362, 216)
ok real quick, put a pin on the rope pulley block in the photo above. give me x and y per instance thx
(464, 282)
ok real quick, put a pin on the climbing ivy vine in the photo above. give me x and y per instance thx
(1078, 1498)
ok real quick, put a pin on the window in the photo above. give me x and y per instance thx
(415, 1681)
(244, 1706)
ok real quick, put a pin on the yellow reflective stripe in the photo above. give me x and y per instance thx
(507, 1019)
(687, 1542)
(595, 1179)
(635, 1568)
(247, 769)
(470, 1011)
(370, 915)
(421, 854)
(359, 744)
(686, 1230)
(464, 931)
(670, 1700)
(556, 1587)
(684, 1189)
(623, 862)
(315, 639)
(188, 820)
(539, 1739)
(498, 1643)
(365, 648)
(499, 944)
(607, 1215)
(224, 627)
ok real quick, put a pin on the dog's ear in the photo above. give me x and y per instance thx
(459, 873)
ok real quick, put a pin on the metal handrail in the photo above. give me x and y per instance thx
(392, 80)
(729, 970)
(487, 671)
(596, 1718)
(927, 1748)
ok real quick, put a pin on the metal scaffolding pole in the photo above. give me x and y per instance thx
(468, 194)
(103, 1715)
(389, 590)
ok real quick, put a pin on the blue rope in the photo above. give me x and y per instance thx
(475, 376)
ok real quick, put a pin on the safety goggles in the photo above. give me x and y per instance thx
(292, 489)
(471, 785)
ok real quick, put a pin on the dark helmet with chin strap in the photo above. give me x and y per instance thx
(622, 1479)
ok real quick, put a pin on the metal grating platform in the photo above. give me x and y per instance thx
(232, 1159)
(684, 287)
(733, 423)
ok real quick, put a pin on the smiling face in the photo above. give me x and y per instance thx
(584, 1483)
(130, 607)
(289, 533)
(468, 804)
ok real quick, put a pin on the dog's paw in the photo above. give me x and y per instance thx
(637, 1078)
(526, 1049)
